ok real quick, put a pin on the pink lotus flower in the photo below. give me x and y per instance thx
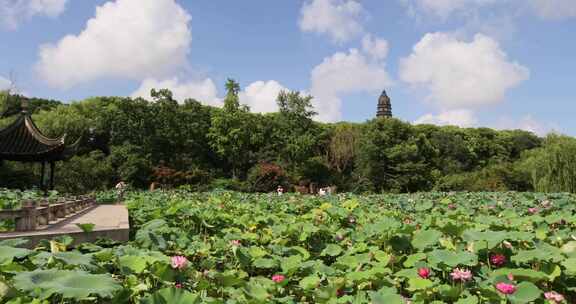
(236, 243)
(451, 206)
(506, 288)
(424, 272)
(461, 275)
(278, 278)
(533, 210)
(554, 297)
(510, 277)
(178, 285)
(498, 259)
(179, 262)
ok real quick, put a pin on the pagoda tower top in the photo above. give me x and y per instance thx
(384, 106)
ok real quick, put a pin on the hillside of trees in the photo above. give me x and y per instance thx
(203, 147)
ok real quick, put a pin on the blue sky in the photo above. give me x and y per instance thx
(501, 64)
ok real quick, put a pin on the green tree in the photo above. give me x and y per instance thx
(343, 146)
(192, 139)
(297, 135)
(11, 104)
(232, 101)
(231, 132)
(392, 158)
(553, 167)
(296, 109)
(131, 164)
(83, 174)
(18, 175)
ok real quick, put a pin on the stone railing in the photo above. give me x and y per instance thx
(33, 214)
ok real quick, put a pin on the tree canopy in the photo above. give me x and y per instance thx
(160, 140)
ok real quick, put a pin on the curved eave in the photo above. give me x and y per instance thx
(33, 129)
(11, 128)
(71, 150)
(23, 141)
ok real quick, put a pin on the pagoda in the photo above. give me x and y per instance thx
(384, 106)
(22, 141)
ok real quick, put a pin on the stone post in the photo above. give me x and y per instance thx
(28, 220)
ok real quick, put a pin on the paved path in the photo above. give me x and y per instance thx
(111, 221)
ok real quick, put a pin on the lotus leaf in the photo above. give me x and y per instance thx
(426, 238)
(526, 292)
(172, 296)
(7, 254)
(70, 284)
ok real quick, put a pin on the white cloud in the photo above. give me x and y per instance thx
(554, 9)
(527, 123)
(445, 8)
(204, 91)
(345, 73)
(127, 38)
(261, 96)
(462, 118)
(335, 18)
(51, 8)
(459, 74)
(8, 85)
(12, 12)
(375, 47)
(467, 118)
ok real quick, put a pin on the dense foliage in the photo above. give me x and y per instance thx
(11, 199)
(171, 144)
(226, 247)
(553, 167)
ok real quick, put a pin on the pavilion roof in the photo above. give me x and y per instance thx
(23, 141)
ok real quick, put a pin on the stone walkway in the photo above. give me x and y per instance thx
(111, 221)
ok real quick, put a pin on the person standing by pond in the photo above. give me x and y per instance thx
(280, 190)
(121, 189)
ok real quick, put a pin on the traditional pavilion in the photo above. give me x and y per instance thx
(22, 141)
(384, 106)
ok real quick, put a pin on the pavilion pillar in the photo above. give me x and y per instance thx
(52, 168)
(42, 175)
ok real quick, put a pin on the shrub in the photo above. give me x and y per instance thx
(229, 184)
(315, 170)
(175, 178)
(498, 177)
(83, 174)
(266, 177)
(17, 175)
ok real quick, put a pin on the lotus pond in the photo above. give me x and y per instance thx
(225, 247)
